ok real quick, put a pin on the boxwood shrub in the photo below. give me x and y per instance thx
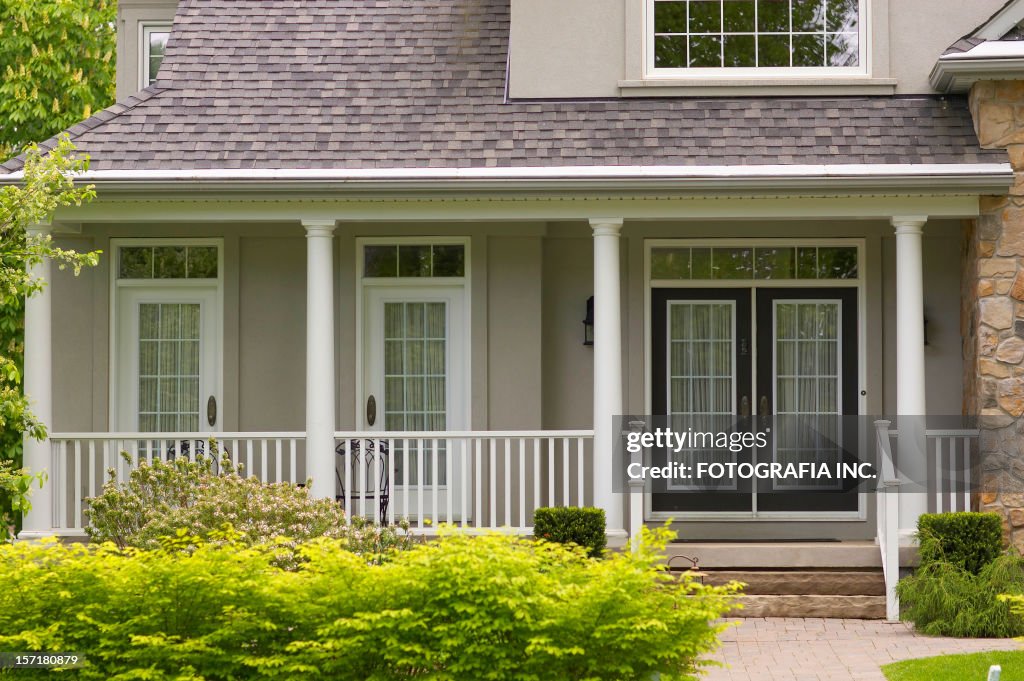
(968, 540)
(572, 525)
(463, 607)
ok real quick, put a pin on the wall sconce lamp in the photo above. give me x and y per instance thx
(588, 323)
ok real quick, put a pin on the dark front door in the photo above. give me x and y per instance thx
(784, 357)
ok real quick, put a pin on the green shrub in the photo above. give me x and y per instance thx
(572, 525)
(943, 599)
(161, 499)
(968, 540)
(464, 607)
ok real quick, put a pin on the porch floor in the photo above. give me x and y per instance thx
(812, 649)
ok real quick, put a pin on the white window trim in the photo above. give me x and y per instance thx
(145, 29)
(799, 74)
(363, 282)
(860, 283)
(116, 283)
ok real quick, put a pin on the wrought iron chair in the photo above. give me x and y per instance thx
(373, 485)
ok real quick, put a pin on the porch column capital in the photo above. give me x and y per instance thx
(606, 226)
(909, 224)
(319, 227)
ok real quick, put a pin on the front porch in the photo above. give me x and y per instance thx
(520, 412)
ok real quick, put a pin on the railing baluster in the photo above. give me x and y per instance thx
(478, 489)
(938, 475)
(536, 475)
(492, 474)
(551, 471)
(967, 473)
(449, 482)
(62, 512)
(92, 469)
(76, 514)
(508, 483)
(521, 462)
(433, 483)
(580, 480)
(406, 478)
(565, 472)
(293, 456)
(346, 464)
(279, 459)
(464, 478)
(953, 477)
(419, 482)
(391, 483)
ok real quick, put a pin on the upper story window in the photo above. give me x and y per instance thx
(154, 42)
(773, 37)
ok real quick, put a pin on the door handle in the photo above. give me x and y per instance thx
(211, 410)
(371, 411)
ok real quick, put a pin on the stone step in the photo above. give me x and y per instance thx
(849, 607)
(849, 555)
(803, 582)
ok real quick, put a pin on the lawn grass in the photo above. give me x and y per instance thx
(972, 667)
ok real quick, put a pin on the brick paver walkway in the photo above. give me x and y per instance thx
(794, 649)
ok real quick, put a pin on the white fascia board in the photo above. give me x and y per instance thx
(995, 60)
(838, 177)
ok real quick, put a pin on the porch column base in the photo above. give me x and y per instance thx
(617, 539)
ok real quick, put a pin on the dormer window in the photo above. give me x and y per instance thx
(154, 42)
(755, 37)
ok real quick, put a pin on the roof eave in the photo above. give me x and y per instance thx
(986, 178)
(955, 74)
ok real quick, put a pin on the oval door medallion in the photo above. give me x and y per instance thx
(371, 411)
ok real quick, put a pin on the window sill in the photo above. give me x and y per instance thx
(748, 87)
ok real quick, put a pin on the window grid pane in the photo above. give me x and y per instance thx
(168, 262)
(414, 261)
(756, 33)
(169, 336)
(415, 382)
(739, 263)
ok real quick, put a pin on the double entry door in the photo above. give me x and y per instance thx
(782, 361)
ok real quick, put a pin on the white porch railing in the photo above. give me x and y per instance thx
(950, 460)
(471, 479)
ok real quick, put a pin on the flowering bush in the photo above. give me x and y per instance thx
(161, 499)
(463, 607)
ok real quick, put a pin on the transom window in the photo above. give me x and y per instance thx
(167, 262)
(756, 34)
(414, 260)
(746, 262)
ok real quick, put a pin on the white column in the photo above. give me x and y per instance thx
(38, 377)
(320, 374)
(910, 377)
(607, 369)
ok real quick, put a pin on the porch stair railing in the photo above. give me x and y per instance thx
(473, 479)
(950, 459)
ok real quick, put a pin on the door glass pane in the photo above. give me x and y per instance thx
(169, 366)
(701, 385)
(415, 382)
(807, 385)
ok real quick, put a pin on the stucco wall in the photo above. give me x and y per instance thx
(584, 48)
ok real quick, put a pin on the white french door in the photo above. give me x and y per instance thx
(166, 359)
(415, 379)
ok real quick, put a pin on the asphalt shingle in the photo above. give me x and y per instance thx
(421, 83)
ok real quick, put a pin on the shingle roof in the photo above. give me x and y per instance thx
(415, 83)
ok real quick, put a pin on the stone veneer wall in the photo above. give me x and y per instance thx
(993, 311)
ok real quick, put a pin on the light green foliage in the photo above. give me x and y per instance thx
(971, 667)
(943, 599)
(486, 607)
(56, 66)
(969, 540)
(48, 185)
(571, 525)
(15, 487)
(197, 498)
